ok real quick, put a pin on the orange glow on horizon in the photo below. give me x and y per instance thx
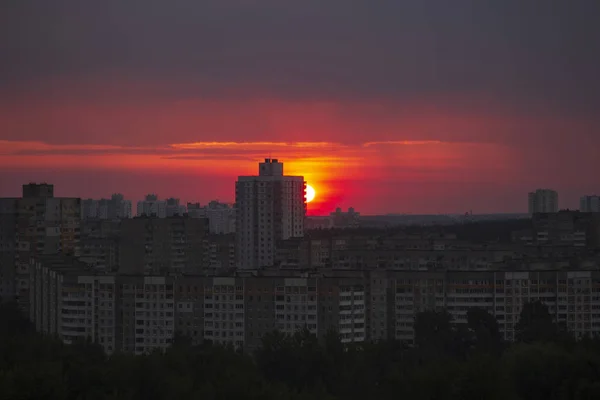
(338, 173)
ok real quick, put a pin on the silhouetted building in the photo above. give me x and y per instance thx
(270, 207)
(589, 204)
(543, 201)
(36, 224)
(159, 246)
(114, 208)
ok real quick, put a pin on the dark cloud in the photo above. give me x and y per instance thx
(524, 52)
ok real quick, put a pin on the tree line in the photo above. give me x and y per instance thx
(448, 361)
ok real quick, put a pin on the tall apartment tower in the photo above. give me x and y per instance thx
(589, 204)
(543, 201)
(270, 207)
(36, 224)
(114, 208)
(151, 206)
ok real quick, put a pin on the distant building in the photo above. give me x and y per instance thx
(543, 201)
(221, 216)
(151, 206)
(564, 228)
(343, 220)
(270, 207)
(114, 208)
(173, 208)
(589, 204)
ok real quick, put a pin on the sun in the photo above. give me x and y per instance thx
(310, 193)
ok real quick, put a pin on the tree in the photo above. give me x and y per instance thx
(535, 324)
(436, 335)
(485, 333)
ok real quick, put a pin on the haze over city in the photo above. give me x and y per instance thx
(394, 107)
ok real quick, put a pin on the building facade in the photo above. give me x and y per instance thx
(140, 314)
(151, 206)
(114, 208)
(37, 223)
(589, 204)
(159, 246)
(221, 216)
(174, 208)
(270, 207)
(543, 201)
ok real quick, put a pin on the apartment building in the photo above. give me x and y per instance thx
(589, 204)
(35, 224)
(139, 314)
(147, 319)
(224, 321)
(296, 305)
(270, 207)
(565, 228)
(114, 208)
(219, 253)
(543, 201)
(345, 220)
(100, 244)
(370, 252)
(68, 300)
(174, 208)
(221, 216)
(152, 206)
(159, 246)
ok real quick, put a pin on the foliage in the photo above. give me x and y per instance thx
(448, 361)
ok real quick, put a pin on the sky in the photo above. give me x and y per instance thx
(394, 106)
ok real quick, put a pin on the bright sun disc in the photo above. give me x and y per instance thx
(310, 193)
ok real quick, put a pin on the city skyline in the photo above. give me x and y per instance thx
(398, 107)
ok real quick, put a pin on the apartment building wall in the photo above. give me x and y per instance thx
(269, 207)
(564, 228)
(147, 320)
(543, 201)
(219, 252)
(68, 301)
(44, 225)
(260, 309)
(589, 204)
(158, 246)
(189, 310)
(370, 254)
(100, 244)
(224, 316)
(140, 314)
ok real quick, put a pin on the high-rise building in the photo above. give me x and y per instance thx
(114, 208)
(543, 201)
(340, 219)
(270, 207)
(221, 216)
(159, 246)
(100, 243)
(173, 207)
(589, 204)
(36, 224)
(151, 206)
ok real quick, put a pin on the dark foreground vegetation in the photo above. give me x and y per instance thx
(448, 362)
